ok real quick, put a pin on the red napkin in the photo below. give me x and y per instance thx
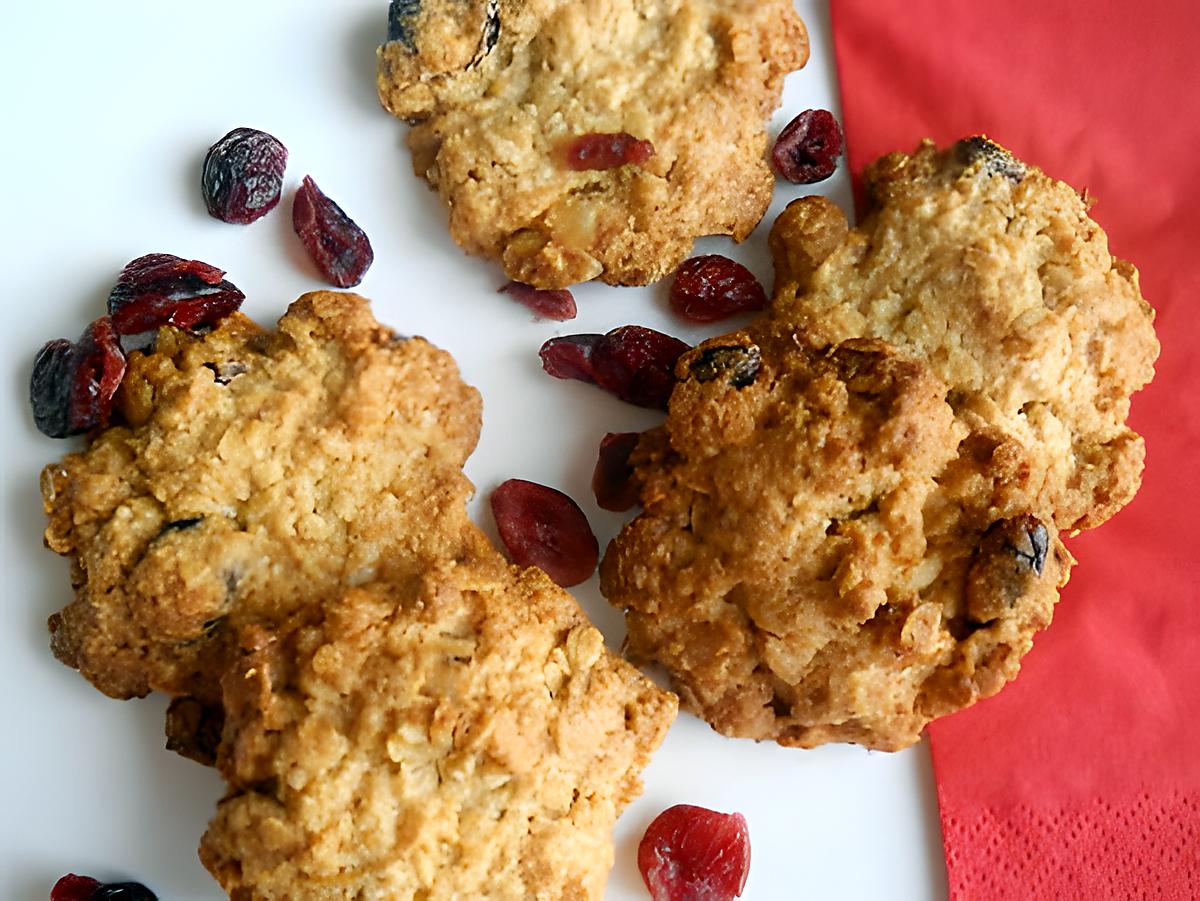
(1082, 778)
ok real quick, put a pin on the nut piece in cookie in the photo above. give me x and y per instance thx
(827, 552)
(257, 472)
(466, 735)
(995, 274)
(498, 92)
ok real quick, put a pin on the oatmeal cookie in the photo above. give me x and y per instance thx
(852, 514)
(994, 273)
(827, 552)
(498, 90)
(256, 472)
(277, 537)
(465, 735)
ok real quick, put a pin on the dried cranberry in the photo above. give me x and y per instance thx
(162, 289)
(634, 362)
(607, 151)
(336, 244)
(570, 357)
(637, 364)
(612, 479)
(158, 267)
(694, 854)
(808, 148)
(712, 287)
(123, 891)
(243, 175)
(85, 888)
(545, 528)
(557, 305)
(74, 888)
(72, 385)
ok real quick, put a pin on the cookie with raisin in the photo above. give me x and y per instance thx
(576, 141)
(826, 551)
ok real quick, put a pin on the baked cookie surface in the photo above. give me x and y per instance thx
(259, 471)
(995, 274)
(826, 553)
(498, 90)
(277, 537)
(473, 723)
(852, 514)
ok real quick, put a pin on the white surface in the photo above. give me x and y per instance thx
(109, 110)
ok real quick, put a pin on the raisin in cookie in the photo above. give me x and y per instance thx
(499, 90)
(826, 552)
(464, 736)
(257, 472)
(993, 273)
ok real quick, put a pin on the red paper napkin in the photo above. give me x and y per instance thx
(1081, 779)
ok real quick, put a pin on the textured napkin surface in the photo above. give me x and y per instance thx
(1082, 778)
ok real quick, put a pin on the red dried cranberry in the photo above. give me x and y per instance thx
(712, 287)
(243, 175)
(607, 151)
(694, 854)
(162, 289)
(636, 364)
(808, 148)
(157, 267)
(570, 357)
(72, 385)
(557, 305)
(612, 479)
(74, 888)
(545, 528)
(336, 244)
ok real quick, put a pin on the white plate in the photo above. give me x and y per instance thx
(110, 108)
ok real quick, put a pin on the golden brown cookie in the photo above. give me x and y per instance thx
(463, 736)
(826, 552)
(277, 537)
(498, 90)
(994, 273)
(257, 472)
(852, 513)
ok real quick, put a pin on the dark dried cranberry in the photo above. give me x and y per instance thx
(74, 888)
(557, 305)
(162, 289)
(694, 854)
(607, 151)
(712, 287)
(545, 528)
(612, 479)
(808, 148)
(72, 385)
(336, 244)
(636, 364)
(570, 357)
(123, 891)
(85, 888)
(243, 175)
